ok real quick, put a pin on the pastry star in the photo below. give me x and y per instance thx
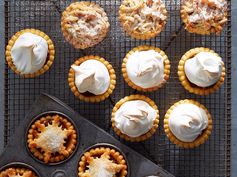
(51, 139)
(102, 166)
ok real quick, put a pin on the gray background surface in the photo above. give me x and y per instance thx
(234, 82)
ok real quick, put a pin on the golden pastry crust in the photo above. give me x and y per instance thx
(52, 138)
(82, 35)
(214, 24)
(140, 24)
(192, 88)
(200, 139)
(145, 48)
(114, 160)
(144, 136)
(92, 97)
(49, 60)
(19, 172)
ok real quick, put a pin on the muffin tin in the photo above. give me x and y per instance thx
(89, 136)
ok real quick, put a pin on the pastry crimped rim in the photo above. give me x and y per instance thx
(93, 98)
(97, 151)
(50, 58)
(141, 137)
(19, 171)
(68, 36)
(201, 139)
(71, 140)
(145, 48)
(217, 29)
(192, 88)
(143, 36)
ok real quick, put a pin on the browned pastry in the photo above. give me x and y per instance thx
(143, 19)
(204, 16)
(102, 161)
(84, 24)
(17, 172)
(52, 138)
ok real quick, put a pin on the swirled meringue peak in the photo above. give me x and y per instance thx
(29, 53)
(135, 118)
(204, 69)
(91, 76)
(187, 121)
(145, 68)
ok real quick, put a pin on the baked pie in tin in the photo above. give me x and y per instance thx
(52, 138)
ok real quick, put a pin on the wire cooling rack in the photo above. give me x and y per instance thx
(209, 160)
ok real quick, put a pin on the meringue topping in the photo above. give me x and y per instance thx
(29, 53)
(187, 121)
(92, 76)
(204, 69)
(135, 118)
(145, 68)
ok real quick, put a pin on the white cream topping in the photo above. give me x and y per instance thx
(135, 118)
(204, 69)
(29, 53)
(187, 121)
(92, 76)
(145, 68)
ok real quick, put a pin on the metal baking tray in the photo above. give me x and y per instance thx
(211, 159)
(89, 136)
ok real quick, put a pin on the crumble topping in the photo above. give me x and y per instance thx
(143, 16)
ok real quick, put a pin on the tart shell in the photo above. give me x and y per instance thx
(71, 143)
(145, 48)
(200, 139)
(144, 136)
(98, 150)
(92, 98)
(192, 88)
(49, 60)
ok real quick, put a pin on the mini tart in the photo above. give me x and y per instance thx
(145, 48)
(91, 97)
(200, 139)
(144, 136)
(104, 154)
(40, 132)
(49, 60)
(192, 88)
(210, 26)
(19, 172)
(128, 16)
(74, 10)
